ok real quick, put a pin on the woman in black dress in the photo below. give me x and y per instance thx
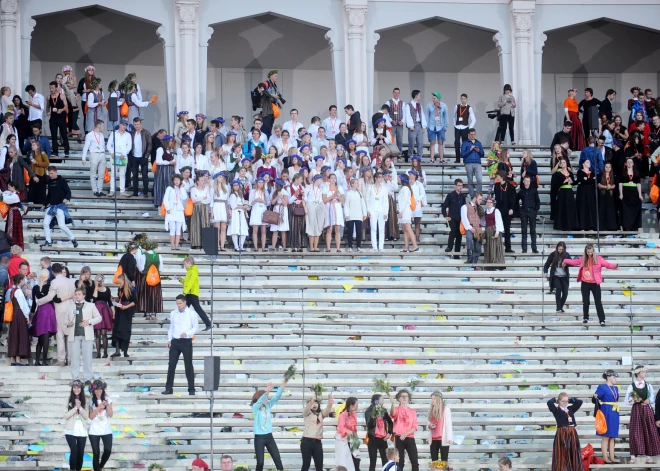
(630, 193)
(586, 197)
(634, 148)
(562, 183)
(125, 309)
(606, 208)
(128, 264)
(103, 302)
(21, 113)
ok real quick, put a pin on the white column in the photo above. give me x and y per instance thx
(523, 77)
(371, 74)
(337, 54)
(205, 36)
(356, 57)
(11, 47)
(503, 45)
(187, 64)
(170, 75)
(538, 75)
(26, 43)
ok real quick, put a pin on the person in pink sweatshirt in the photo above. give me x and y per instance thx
(590, 274)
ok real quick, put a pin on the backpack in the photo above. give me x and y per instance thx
(9, 308)
(255, 96)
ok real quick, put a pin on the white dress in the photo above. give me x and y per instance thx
(403, 205)
(359, 137)
(201, 162)
(175, 203)
(335, 216)
(420, 197)
(220, 206)
(283, 210)
(238, 224)
(258, 209)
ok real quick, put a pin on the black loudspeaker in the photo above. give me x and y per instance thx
(113, 109)
(211, 373)
(593, 117)
(210, 240)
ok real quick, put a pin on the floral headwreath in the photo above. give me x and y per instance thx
(98, 384)
(90, 68)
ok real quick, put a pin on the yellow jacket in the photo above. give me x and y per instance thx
(191, 281)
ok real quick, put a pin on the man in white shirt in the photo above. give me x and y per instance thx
(320, 140)
(463, 119)
(397, 109)
(276, 137)
(183, 326)
(36, 103)
(95, 145)
(314, 126)
(415, 119)
(293, 125)
(139, 157)
(331, 123)
(119, 146)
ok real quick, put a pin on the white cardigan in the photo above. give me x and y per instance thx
(447, 428)
(354, 206)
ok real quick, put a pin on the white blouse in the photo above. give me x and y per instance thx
(499, 225)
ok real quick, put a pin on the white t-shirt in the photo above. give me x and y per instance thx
(100, 425)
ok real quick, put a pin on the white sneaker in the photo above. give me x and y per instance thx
(350, 250)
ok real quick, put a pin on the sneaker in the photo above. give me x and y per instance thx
(111, 194)
(75, 243)
(358, 249)
(350, 249)
(101, 193)
(140, 194)
(535, 251)
(123, 194)
(46, 244)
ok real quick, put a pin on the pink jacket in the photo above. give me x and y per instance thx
(597, 267)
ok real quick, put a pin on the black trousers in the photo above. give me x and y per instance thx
(59, 124)
(460, 136)
(72, 125)
(311, 449)
(267, 441)
(193, 300)
(560, 284)
(528, 216)
(98, 460)
(358, 233)
(410, 446)
(377, 446)
(436, 445)
(77, 447)
(140, 166)
(594, 288)
(455, 236)
(267, 125)
(506, 222)
(505, 120)
(178, 347)
(129, 171)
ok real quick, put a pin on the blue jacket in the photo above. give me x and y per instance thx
(474, 156)
(45, 145)
(263, 418)
(248, 148)
(431, 123)
(593, 155)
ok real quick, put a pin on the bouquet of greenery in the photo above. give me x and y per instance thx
(318, 390)
(380, 386)
(636, 397)
(242, 467)
(290, 373)
(354, 443)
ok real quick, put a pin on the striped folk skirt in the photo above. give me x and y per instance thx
(566, 452)
(140, 291)
(161, 182)
(297, 228)
(644, 438)
(392, 224)
(198, 221)
(153, 299)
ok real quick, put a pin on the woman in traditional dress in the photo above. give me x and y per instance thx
(103, 301)
(571, 114)
(606, 207)
(165, 163)
(280, 202)
(201, 198)
(258, 201)
(406, 204)
(219, 211)
(175, 200)
(586, 197)
(494, 249)
(14, 225)
(238, 228)
(562, 182)
(297, 213)
(392, 223)
(566, 451)
(18, 340)
(316, 212)
(644, 438)
(39, 163)
(44, 322)
(334, 199)
(201, 162)
(630, 193)
(606, 399)
(125, 309)
(418, 192)
(95, 104)
(114, 92)
(152, 299)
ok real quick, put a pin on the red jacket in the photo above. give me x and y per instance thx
(597, 267)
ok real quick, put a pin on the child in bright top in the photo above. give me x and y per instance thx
(405, 426)
(191, 289)
(392, 460)
(440, 426)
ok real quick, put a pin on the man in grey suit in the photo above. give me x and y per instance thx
(61, 293)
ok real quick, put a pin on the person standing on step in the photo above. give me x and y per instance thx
(80, 333)
(590, 274)
(566, 454)
(379, 429)
(505, 200)
(102, 298)
(507, 106)
(95, 105)
(528, 204)
(191, 289)
(151, 297)
(405, 426)
(644, 439)
(311, 445)
(415, 119)
(451, 210)
(263, 425)
(472, 152)
(140, 153)
(57, 108)
(100, 427)
(606, 399)
(347, 433)
(124, 311)
(464, 119)
(397, 108)
(119, 146)
(36, 104)
(18, 340)
(58, 195)
(437, 118)
(44, 320)
(75, 425)
(471, 214)
(183, 327)
(441, 427)
(95, 145)
(406, 205)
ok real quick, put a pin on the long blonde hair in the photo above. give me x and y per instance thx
(436, 412)
(126, 290)
(219, 185)
(44, 275)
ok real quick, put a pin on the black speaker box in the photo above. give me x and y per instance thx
(211, 373)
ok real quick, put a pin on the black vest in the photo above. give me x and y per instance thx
(465, 116)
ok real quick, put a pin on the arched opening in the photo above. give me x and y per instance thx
(600, 54)
(116, 44)
(241, 52)
(437, 55)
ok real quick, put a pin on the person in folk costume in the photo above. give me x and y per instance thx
(115, 92)
(562, 182)
(630, 194)
(333, 198)
(140, 284)
(7, 129)
(405, 208)
(280, 203)
(95, 104)
(44, 321)
(297, 221)
(18, 341)
(131, 80)
(258, 201)
(607, 213)
(606, 400)
(219, 210)
(644, 438)
(493, 248)
(102, 298)
(85, 86)
(174, 201)
(238, 228)
(571, 114)
(39, 163)
(180, 127)
(417, 189)
(586, 197)
(165, 163)
(14, 224)
(566, 451)
(124, 311)
(17, 166)
(127, 262)
(392, 223)
(151, 300)
(134, 102)
(316, 212)
(69, 86)
(201, 197)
